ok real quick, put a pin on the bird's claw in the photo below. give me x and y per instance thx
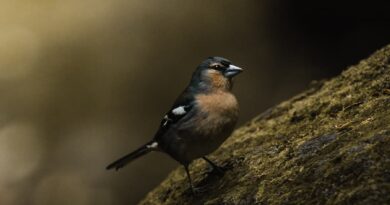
(216, 171)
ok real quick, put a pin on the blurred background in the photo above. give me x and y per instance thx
(84, 82)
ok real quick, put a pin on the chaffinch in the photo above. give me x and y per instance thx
(200, 120)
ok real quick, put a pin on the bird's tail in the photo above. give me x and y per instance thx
(121, 162)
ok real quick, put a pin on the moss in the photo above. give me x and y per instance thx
(329, 144)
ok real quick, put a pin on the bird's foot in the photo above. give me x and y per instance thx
(216, 170)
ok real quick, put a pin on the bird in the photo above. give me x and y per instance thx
(200, 119)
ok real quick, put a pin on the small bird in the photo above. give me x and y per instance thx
(200, 120)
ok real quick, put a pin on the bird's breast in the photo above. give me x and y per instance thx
(217, 110)
(218, 102)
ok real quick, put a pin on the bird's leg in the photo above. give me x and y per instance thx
(189, 179)
(215, 167)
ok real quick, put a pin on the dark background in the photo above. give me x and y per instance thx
(83, 82)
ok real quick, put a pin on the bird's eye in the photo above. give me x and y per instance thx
(216, 66)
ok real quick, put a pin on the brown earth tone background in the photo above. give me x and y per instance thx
(83, 82)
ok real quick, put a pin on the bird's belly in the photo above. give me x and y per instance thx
(206, 137)
(204, 145)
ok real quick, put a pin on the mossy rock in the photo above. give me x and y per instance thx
(328, 145)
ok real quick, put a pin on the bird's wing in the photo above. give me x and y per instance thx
(181, 108)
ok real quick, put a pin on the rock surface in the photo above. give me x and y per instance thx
(327, 145)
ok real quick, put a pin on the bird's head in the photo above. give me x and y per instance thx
(215, 73)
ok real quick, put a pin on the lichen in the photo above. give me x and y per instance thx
(327, 145)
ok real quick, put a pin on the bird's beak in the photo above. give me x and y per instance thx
(233, 70)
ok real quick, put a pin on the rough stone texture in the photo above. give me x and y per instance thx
(327, 145)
